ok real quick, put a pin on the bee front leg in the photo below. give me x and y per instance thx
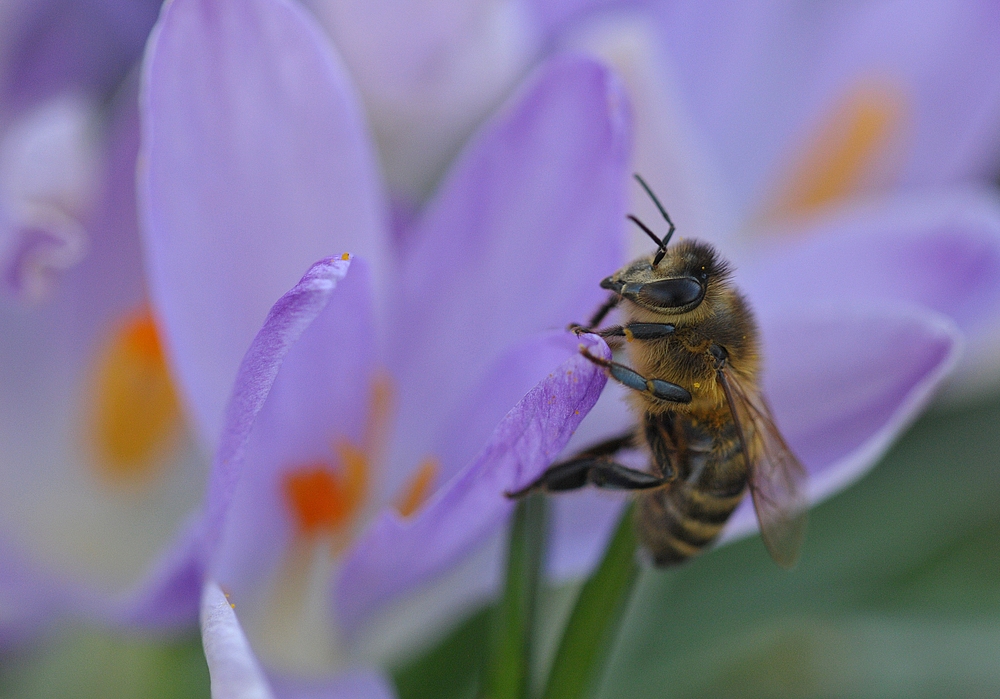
(598, 316)
(655, 388)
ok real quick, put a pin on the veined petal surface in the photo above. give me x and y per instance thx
(255, 163)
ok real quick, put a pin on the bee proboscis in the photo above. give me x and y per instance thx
(694, 369)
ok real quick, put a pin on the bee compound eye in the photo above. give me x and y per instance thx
(672, 293)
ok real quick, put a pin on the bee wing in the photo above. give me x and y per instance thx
(777, 477)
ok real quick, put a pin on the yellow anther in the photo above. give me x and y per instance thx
(135, 414)
(839, 159)
(418, 488)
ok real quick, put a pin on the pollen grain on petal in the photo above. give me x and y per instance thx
(418, 488)
(843, 154)
(134, 413)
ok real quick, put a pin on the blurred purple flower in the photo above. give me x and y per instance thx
(356, 492)
(98, 472)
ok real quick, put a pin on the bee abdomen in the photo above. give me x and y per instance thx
(678, 522)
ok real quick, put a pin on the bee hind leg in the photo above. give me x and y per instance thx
(599, 471)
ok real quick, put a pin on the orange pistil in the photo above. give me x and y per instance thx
(135, 412)
(324, 499)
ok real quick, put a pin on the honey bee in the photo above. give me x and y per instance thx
(694, 353)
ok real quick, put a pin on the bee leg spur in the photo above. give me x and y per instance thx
(600, 472)
(663, 390)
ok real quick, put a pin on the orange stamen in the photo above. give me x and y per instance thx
(419, 487)
(840, 158)
(135, 411)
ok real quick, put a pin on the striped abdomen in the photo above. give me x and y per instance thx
(679, 520)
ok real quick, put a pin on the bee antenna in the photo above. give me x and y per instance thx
(666, 216)
(661, 244)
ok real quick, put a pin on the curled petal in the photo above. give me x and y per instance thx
(395, 556)
(318, 400)
(285, 323)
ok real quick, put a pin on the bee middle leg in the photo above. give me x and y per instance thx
(656, 388)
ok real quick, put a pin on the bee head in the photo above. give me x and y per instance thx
(672, 281)
(674, 285)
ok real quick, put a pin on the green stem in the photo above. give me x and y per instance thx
(508, 671)
(593, 625)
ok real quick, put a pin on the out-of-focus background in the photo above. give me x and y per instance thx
(777, 130)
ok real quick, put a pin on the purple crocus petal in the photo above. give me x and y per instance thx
(506, 382)
(317, 399)
(759, 95)
(287, 320)
(353, 684)
(28, 597)
(527, 220)
(255, 164)
(843, 385)
(168, 595)
(941, 252)
(234, 671)
(47, 46)
(394, 555)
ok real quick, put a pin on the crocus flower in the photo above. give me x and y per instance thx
(345, 525)
(98, 471)
(412, 359)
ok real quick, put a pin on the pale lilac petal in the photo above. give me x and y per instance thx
(255, 164)
(288, 319)
(234, 671)
(48, 46)
(354, 684)
(843, 385)
(517, 239)
(670, 151)
(762, 76)
(395, 556)
(320, 396)
(168, 596)
(938, 251)
(430, 73)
